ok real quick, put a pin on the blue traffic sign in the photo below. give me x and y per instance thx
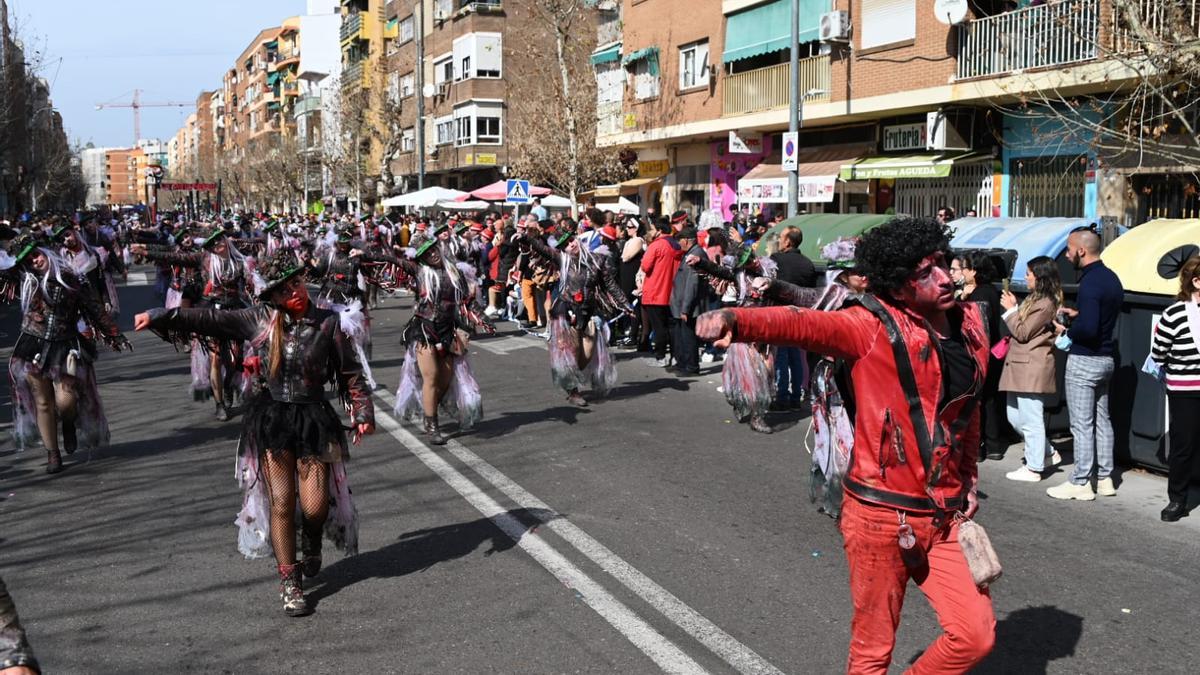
(516, 191)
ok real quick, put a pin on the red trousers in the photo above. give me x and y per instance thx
(878, 578)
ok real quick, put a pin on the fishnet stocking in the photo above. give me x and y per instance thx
(280, 469)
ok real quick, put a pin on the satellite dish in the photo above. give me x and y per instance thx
(950, 12)
(428, 90)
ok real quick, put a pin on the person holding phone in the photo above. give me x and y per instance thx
(1028, 377)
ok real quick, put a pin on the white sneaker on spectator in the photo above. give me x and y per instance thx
(706, 357)
(1053, 460)
(1024, 475)
(491, 312)
(1105, 488)
(1069, 490)
(657, 363)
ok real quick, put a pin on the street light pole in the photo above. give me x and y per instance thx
(797, 100)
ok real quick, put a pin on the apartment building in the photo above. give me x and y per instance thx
(363, 50)
(471, 56)
(252, 111)
(122, 167)
(900, 107)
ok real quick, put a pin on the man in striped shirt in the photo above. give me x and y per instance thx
(1090, 367)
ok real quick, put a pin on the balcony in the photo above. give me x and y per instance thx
(1181, 18)
(609, 28)
(353, 27)
(1044, 36)
(291, 88)
(609, 119)
(308, 104)
(770, 88)
(357, 75)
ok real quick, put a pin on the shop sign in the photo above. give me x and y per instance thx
(653, 168)
(809, 190)
(745, 143)
(905, 137)
(485, 159)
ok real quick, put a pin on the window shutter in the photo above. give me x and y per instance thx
(887, 21)
(488, 52)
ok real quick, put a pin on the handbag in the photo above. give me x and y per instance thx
(1000, 349)
(977, 549)
(462, 340)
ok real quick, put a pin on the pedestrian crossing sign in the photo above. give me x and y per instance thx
(517, 191)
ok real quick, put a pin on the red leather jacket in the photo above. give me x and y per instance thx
(886, 466)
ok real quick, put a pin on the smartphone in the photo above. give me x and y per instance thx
(1004, 284)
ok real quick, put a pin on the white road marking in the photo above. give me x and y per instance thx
(662, 651)
(502, 346)
(739, 656)
(138, 279)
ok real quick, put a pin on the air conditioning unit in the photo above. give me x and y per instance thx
(951, 129)
(834, 26)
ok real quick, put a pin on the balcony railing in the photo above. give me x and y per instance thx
(770, 88)
(1170, 22)
(609, 29)
(351, 25)
(1044, 36)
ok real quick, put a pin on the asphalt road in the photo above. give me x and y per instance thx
(648, 532)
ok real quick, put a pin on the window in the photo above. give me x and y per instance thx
(408, 140)
(407, 85)
(406, 30)
(693, 65)
(446, 130)
(443, 69)
(477, 55)
(478, 123)
(610, 83)
(886, 22)
(645, 78)
(393, 87)
(442, 9)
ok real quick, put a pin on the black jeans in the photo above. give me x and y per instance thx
(660, 317)
(1184, 436)
(684, 347)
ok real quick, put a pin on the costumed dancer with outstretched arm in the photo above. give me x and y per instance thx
(436, 362)
(589, 295)
(293, 444)
(53, 379)
(224, 271)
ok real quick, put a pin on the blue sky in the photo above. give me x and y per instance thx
(98, 51)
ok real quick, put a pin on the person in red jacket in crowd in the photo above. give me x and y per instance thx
(659, 265)
(913, 473)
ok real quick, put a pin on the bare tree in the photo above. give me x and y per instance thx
(1149, 112)
(552, 120)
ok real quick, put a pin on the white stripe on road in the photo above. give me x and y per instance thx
(137, 279)
(652, 643)
(739, 656)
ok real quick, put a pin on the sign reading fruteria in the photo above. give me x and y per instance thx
(904, 137)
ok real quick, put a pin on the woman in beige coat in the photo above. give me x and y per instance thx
(1028, 376)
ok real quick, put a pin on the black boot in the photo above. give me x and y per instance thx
(759, 424)
(291, 591)
(432, 430)
(1173, 512)
(70, 443)
(310, 548)
(53, 462)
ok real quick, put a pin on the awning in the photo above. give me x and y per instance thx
(607, 54)
(650, 54)
(273, 44)
(767, 28)
(768, 184)
(629, 187)
(272, 78)
(904, 166)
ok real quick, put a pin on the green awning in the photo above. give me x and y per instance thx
(273, 105)
(821, 228)
(903, 166)
(650, 54)
(272, 78)
(607, 55)
(767, 28)
(273, 44)
(392, 23)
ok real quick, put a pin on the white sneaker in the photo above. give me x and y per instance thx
(1024, 475)
(491, 312)
(1054, 459)
(706, 357)
(1105, 488)
(1069, 490)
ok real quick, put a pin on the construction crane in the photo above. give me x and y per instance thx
(137, 106)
